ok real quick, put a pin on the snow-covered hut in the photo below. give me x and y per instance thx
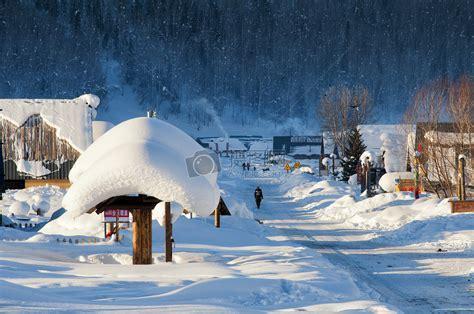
(42, 138)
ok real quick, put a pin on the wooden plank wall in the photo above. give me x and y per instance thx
(36, 141)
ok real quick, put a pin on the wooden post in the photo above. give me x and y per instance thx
(217, 216)
(367, 178)
(416, 193)
(116, 226)
(333, 157)
(168, 233)
(142, 239)
(462, 179)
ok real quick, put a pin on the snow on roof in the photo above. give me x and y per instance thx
(260, 145)
(449, 138)
(71, 117)
(141, 156)
(371, 134)
(307, 150)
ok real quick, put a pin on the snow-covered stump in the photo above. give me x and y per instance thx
(142, 237)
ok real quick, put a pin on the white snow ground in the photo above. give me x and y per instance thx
(319, 250)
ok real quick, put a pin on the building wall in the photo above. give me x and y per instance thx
(35, 141)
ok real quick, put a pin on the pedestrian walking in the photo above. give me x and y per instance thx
(258, 196)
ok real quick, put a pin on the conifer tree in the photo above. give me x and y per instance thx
(352, 151)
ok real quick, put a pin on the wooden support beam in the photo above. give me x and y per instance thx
(142, 238)
(217, 216)
(168, 233)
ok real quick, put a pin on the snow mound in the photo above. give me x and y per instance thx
(70, 225)
(19, 208)
(387, 181)
(305, 169)
(70, 117)
(46, 198)
(367, 156)
(141, 156)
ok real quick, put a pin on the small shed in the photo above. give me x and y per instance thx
(136, 165)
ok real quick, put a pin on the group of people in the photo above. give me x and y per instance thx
(246, 166)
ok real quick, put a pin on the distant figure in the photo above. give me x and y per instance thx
(254, 168)
(248, 166)
(243, 166)
(258, 196)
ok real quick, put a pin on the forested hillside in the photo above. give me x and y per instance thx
(245, 59)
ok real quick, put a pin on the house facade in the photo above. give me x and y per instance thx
(42, 138)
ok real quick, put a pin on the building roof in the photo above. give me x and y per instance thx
(72, 118)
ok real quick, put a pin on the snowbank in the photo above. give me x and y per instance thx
(70, 225)
(141, 156)
(391, 217)
(71, 117)
(45, 198)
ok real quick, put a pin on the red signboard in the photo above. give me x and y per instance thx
(112, 215)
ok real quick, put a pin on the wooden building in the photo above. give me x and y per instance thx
(440, 146)
(43, 138)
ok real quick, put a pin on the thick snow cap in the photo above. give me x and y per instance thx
(141, 156)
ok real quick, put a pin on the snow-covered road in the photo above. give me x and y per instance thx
(298, 259)
(412, 278)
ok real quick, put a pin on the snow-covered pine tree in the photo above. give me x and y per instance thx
(352, 152)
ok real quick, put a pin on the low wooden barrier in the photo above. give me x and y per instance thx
(406, 185)
(466, 206)
(62, 183)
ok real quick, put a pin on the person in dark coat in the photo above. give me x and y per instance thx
(258, 196)
(243, 166)
(248, 166)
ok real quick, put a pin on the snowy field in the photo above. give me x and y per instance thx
(321, 248)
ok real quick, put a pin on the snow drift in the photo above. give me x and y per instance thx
(141, 156)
